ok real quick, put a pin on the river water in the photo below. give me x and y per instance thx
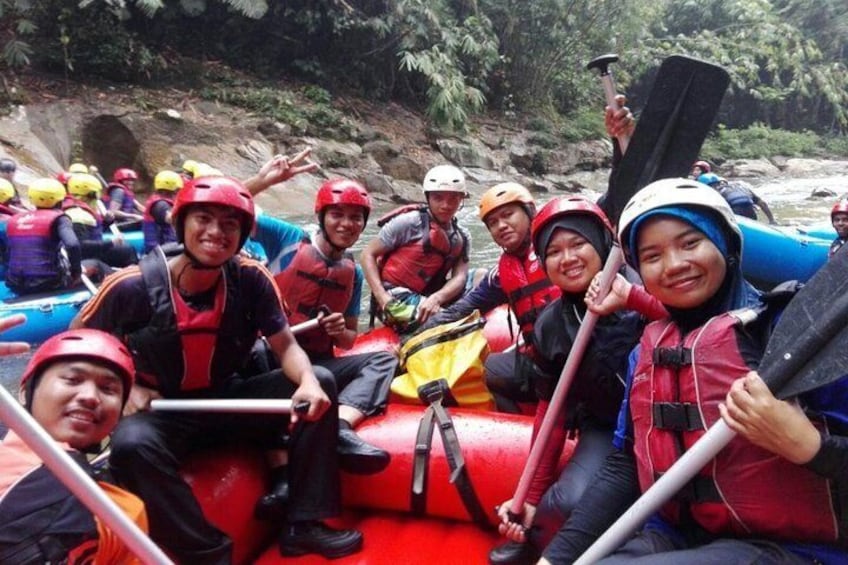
(789, 200)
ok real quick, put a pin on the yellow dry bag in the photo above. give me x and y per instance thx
(454, 352)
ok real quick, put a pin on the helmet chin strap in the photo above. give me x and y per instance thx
(326, 237)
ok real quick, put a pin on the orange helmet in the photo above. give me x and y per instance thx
(506, 193)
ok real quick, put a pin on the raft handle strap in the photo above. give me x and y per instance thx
(436, 394)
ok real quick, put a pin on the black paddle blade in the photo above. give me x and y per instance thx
(809, 345)
(677, 117)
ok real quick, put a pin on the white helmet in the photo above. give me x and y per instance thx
(444, 178)
(676, 192)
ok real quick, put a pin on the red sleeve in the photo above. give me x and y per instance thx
(546, 473)
(645, 303)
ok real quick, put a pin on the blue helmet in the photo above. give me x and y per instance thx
(708, 179)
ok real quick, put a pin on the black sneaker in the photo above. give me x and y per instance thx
(513, 553)
(301, 538)
(359, 457)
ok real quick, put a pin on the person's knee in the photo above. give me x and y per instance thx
(327, 381)
(131, 438)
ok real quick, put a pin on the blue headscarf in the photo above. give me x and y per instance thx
(735, 292)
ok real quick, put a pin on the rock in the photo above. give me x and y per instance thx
(334, 154)
(473, 154)
(275, 131)
(363, 133)
(169, 114)
(381, 150)
(779, 161)
(813, 167)
(295, 196)
(404, 168)
(257, 151)
(525, 159)
(749, 168)
(822, 193)
(377, 183)
(486, 176)
(564, 183)
(592, 155)
(406, 192)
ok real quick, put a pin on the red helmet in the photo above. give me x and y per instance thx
(566, 206)
(63, 177)
(841, 207)
(120, 175)
(703, 165)
(83, 343)
(220, 191)
(342, 191)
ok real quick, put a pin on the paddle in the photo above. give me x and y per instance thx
(602, 64)
(679, 113)
(75, 479)
(650, 155)
(230, 405)
(807, 350)
(239, 405)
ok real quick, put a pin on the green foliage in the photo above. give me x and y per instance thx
(453, 52)
(780, 74)
(760, 141)
(307, 112)
(583, 123)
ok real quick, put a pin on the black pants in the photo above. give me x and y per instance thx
(148, 449)
(508, 384)
(561, 498)
(363, 380)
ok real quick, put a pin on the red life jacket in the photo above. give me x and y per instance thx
(311, 282)
(128, 203)
(183, 349)
(423, 264)
(677, 386)
(527, 288)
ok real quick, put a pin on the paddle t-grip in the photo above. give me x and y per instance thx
(602, 64)
(301, 407)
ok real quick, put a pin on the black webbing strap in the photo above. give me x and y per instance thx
(433, 394)
(677, 416)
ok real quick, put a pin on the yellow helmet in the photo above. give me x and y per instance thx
(167, 180)
(7, 191)
(189, 166)
(46, 193)
(78, 168)
(506, 193)
(204, 170)
(83, 185)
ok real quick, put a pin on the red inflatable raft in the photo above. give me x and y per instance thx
(494, 447)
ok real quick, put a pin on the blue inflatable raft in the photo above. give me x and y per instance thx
(771, 255)
(47, 313)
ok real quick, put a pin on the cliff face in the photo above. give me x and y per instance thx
(387, 147)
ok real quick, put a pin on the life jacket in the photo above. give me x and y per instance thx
(678, 384)
(182, 349)
(312, 282)
(43, 522)
(835, 246)
(7, 211)
(127, 204)
(33, 248)
(155, 233)
(527, 288)
(88, 223)
(422, 265)
(739, 199)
